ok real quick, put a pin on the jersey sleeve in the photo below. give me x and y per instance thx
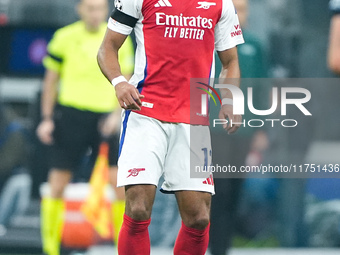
(334, 6)
(125, 16)
(55, 53)
(228, 32)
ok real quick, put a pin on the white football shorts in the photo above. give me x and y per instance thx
(150, 148)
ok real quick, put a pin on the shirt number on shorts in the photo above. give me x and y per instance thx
(205, 151)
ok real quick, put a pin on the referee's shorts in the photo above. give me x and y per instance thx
(76, 133)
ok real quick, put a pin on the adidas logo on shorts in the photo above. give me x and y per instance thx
(209, 180)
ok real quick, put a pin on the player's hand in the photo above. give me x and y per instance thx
(45, 130)
(226, 112)
(128, 96)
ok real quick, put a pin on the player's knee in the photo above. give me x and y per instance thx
(139, 201)
(138, 211)
(199, 222)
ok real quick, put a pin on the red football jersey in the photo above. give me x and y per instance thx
(175, 42)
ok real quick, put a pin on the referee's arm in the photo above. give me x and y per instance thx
(48, 100)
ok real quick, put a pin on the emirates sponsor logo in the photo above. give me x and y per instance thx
(163, 19)
(179, 26)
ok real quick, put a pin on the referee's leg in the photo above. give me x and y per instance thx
(118, 205)
(52, 211)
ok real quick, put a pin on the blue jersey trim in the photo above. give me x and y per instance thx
(127, 114)
(122, 138)
(141, 83)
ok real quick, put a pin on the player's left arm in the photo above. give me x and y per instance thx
(228, 35)
(230, 74)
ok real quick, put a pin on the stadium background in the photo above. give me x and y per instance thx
(295, 36)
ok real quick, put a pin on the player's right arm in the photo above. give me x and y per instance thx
(128, 96)
(121, 23)
(334, 38)
(48, 101)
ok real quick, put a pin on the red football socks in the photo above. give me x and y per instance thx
(134, 237)
(191, 241)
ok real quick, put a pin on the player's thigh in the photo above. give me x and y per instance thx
(143, 148)
(194, 207)
(189, 148)
(139, 201)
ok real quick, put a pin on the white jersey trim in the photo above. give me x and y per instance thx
(119, 27)
(140, 56)
(226, 35)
